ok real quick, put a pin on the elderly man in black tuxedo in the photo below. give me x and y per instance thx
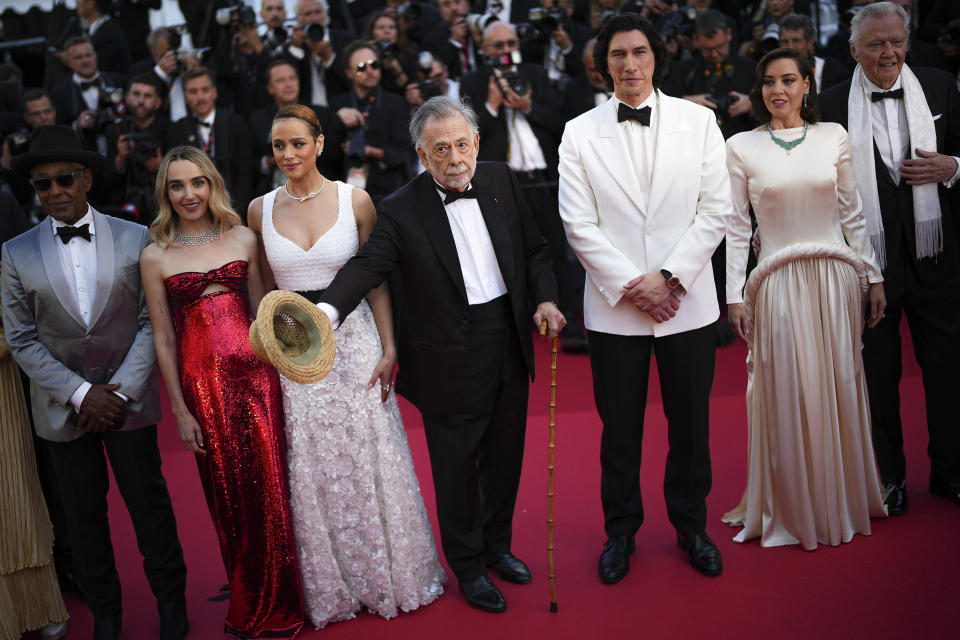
(471, 259)
(904, 128)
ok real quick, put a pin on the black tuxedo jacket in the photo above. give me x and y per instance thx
(834, 72)
(579, 98)
(688, 77)
(386, 128)
(69, 101)
(438, 43)
(545, 117)
(896, 200)
(13, 221)
(231, 152)
(573, 61)
(334, 78)
(330, 161)
(113, 50)
(413, 237)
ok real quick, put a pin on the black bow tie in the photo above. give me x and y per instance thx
(201, 123)
(626, 112)
(453, 196)
(67, 233)
(877, 96)
(86, 86)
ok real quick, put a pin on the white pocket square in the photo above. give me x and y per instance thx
(937, 117)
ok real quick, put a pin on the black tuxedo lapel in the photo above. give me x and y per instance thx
(438, 230)
(495, 218)
(221, 142)
(883, 174)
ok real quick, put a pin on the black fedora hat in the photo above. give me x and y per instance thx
(55, 143)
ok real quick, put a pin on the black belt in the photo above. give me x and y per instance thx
(313, 296)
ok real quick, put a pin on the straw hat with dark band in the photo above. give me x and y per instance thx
(294, 336)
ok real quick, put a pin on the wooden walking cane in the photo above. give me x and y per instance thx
(551, 447)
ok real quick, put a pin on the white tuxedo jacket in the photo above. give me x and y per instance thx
(617, 238)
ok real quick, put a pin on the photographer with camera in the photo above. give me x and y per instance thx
(90, 99)
(135, 148)
(274, 15)
(553, 39)
(106, 35)
(399, 58)
(714, 77)
(38, 110)
(168, 61)
(374, 135)
(433, 79)
(240, 60)
(454, 45)
(521, 118)
(316, 48)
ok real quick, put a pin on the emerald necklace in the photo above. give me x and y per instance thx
(788, 145)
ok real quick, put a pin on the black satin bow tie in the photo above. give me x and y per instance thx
(67, 233)
(877, 96)
(626, 112)
(201, 123)
(453, 196)
(86, 86)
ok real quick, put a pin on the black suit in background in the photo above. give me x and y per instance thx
(230, 152)
(113, 52)
(13, 221)
(464, 367)
(386, 128)
(135, 185)
(334, 78)
(834, 72)
(330, 162)
(927, 290)
(68, 99)
(536, 52)
(691, 76)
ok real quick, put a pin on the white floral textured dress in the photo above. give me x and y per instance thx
(361, 529)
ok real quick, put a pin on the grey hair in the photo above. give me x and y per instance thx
(441, 108)
(497, 23)
(878, 10)
(298, 9)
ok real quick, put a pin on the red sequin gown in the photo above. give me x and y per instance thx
(236, 400)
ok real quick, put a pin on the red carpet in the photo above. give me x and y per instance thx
(897, 583)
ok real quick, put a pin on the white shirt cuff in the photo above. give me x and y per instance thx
(329, 63)
(296, 52)
(121, 396)
(77, 398)
(490, 110)
(331, 312)
(160, 72)
(952, 181)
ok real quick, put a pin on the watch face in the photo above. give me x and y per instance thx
(673, 282)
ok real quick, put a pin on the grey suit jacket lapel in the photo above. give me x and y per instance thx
(62, 288)
(105, 265)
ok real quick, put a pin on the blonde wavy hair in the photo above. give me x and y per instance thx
(219, 208)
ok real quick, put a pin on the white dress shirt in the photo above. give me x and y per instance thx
(891, 133)
(478, 262)
(641, 143)
(92, 95)
(523, 148)
(204, 132)
(318, 89)
(78, 259)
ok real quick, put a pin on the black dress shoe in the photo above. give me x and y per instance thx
(173, 620)
(615, 559)
(482, 594)
(106, 628)
(704, 555)
(945, 489)
(509, 567)
(572, 339)
(896, 499)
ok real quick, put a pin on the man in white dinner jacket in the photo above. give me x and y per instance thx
(644, 197)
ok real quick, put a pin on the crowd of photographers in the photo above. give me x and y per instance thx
(364, 66)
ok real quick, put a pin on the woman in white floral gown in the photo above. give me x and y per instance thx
(361, 529)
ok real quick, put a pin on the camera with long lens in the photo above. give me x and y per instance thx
(387, 49)
(315, 32)
(236, 15)
(110, 107)
(542, 23)
(678, 23)
(429, 88)
(18, 141)
(279, 35)
(144, 146)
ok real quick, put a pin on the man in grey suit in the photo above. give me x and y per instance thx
(77, 323)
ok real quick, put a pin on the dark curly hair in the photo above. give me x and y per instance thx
(631, 22)
(808, 112)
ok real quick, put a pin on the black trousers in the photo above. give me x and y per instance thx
(476, 452)
(932, 307)
(621, 366)
(81, 471)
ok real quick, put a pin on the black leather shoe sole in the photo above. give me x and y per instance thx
(704, 555)
(945, 490)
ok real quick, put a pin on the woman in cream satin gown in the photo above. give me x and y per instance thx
(811, 474)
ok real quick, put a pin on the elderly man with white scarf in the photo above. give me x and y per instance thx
(904, 127)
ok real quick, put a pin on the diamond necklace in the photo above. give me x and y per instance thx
(308, 196)
(788, 145)
(206, 237)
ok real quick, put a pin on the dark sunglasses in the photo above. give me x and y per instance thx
(64, 180)
(369, 64)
